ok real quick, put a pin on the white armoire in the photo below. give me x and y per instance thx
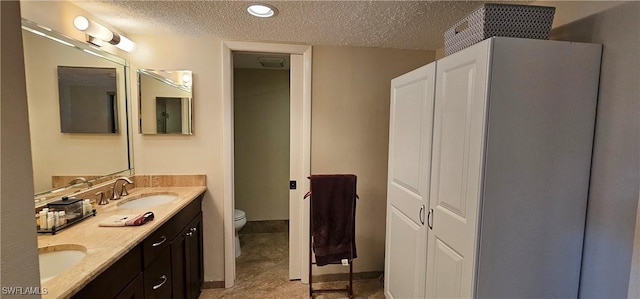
(489, 164)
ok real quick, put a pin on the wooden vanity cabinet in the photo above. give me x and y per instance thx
(167, 264)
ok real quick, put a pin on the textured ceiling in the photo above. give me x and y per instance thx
(385, 24)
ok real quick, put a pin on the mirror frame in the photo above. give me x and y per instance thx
(157, 75)
(46, 196)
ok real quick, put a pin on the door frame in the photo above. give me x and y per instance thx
(298, 209)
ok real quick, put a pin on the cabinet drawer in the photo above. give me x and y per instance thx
(157, 242)
(161, 239)
(157, 277)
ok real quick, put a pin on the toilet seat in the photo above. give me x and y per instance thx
(238, 215)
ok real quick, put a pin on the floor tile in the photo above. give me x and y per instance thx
(263, 272)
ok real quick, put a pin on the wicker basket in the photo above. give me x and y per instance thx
(524, 21)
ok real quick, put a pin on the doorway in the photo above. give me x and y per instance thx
(299, 153)
(261, 97)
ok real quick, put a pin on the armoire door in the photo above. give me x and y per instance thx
(458, 134)
(410, 132)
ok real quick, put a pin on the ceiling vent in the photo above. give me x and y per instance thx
(271, 62)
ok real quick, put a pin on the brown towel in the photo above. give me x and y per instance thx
(333, 212)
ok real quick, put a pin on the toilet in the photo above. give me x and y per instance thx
(239, 220)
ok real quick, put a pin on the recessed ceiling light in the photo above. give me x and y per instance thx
(262, 10)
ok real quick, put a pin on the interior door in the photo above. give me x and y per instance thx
(411, 120)
(458, 134)
(297, 170)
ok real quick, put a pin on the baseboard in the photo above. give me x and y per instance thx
(345, 276)
(316, 278)
(265, 226)
(213, 285)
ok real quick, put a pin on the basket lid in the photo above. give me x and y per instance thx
(65, 201)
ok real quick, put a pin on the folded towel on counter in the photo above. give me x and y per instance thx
(333, 204)
(127, 220)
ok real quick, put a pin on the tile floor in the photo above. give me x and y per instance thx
(262, 272)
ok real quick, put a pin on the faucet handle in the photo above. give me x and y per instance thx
(102, 200)
(124, 191)
(114, 193)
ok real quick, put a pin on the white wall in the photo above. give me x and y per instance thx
(615, 170)
(350, 132)
(200, 153)
(261, 150)
(19, 249)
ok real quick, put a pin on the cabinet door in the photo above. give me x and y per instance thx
(458, 134)
(135, 290)
(410, 130)
(179, 265)
(186, 261)
(118, 277)
(195, 259)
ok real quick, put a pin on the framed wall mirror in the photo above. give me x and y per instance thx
(166, 101)
(60, 157)
(88, 99)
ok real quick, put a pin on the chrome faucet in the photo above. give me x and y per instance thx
(123, 191)
(80, 180)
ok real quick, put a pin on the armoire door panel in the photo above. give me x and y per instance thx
(409, 99)
(458, 130)
(448, 271)
(407, 246)
(454, 138)
(407, 202)
(410, 132)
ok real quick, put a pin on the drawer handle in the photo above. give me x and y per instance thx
(189, 234)
(159, 242)
(194, 229)
(164, 280)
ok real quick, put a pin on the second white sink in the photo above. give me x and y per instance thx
(59, 260)
(147, 201)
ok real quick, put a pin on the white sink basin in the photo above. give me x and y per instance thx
(57, 259)
(147, 201)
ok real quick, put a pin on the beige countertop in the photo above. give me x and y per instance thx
(105, 245)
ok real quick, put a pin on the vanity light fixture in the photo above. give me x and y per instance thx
(186, 78)
(262, 10)
(97, 34)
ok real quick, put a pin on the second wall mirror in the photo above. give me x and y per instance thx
(166, 101)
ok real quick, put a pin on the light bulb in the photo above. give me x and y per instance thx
(92, 28)
(126, 44)
(261, 10)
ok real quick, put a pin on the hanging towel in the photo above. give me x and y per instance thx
(333, 204)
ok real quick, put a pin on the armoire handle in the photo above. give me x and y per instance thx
(430, 219)
(421, 214)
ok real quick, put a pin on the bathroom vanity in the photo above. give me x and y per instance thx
(160, 259)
